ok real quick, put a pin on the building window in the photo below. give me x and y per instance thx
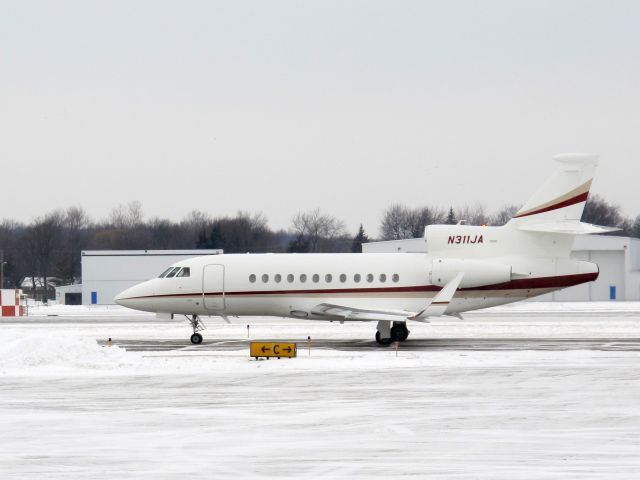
(290, 278)
(343, 277)
(316, 278)
(369, 277)
(265, 278)
(395, 277)
(328, 278)
(383, 277)
(277, 277)
(303, 278)
(356, 278)
(252, 278)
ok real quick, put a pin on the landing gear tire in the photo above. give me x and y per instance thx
(197, 325)
(382, 341)
(399, 332)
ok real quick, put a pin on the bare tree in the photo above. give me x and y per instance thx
(502, 216)
(75, 237)
(242, 233)
(419, 218)
(125, 227)
(472, 215)
(600, 212)
(44, 236)
(127, 216)
(195, 227)
(12, 248)
(316, 228)
(396, 223)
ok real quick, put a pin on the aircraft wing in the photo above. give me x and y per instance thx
(344, 313)
(435, 307)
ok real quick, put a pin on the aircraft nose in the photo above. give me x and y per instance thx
(138, 297)
(124, 298)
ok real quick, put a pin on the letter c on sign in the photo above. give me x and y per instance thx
(276, 349)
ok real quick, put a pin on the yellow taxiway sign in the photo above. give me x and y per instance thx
(273, 349)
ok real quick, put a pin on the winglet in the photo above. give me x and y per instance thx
(440, 302)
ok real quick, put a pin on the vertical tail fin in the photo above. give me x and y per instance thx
(563, 196)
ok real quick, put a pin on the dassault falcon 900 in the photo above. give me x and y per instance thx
(465, 268)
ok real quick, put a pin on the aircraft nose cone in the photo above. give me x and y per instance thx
(138, 297)
(124, 298)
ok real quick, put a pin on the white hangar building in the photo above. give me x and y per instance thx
(617, 257)
(105, 273)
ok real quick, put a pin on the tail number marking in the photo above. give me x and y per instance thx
(470, 239)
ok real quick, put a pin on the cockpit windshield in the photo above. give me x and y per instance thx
(164, 274)
(185, 272)
(171, 272)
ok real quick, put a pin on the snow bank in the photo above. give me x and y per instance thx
(85, 311)
(54, 352)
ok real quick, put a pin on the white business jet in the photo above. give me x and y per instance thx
(465, 268)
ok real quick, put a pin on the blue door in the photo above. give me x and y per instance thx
(612, 292)
(94, 298)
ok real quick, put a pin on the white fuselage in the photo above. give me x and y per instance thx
(465, 268)
(291, 285)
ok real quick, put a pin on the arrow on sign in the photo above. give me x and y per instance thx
(288, 349)
(265, 349)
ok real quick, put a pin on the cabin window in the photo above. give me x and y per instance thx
(277, 277)
(316, 278)
(383, 277)
(343, 277)
(356, 278)
(290, 278)
(265, 278)
(185, 272)
(173, 272)
(395, 277)
(164, 274)
(252, 278)
(328, 278)
(303, 278)
(369, 277)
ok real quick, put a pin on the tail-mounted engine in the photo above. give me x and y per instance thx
(477, 273)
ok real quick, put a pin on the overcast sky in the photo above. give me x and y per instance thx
(283, 106)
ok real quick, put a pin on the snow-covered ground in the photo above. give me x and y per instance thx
(72, 409)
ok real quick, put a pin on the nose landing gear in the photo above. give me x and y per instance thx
(197, 326)
(387, 334)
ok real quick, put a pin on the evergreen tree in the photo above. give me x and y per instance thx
(360, 238)
(203, 241)
(635, 229)
(451, 218)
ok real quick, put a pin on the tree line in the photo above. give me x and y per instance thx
(51, 245)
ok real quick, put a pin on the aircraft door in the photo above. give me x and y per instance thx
(213, 287)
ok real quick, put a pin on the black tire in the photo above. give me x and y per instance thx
(382, 341)
(399, 332)
(196, 339)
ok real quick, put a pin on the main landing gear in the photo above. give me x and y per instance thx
(387, 334)
(197, 326)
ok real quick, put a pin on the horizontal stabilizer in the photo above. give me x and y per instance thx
(568, 227)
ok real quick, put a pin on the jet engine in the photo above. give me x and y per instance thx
(477, 273)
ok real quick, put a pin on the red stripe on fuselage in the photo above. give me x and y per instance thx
(560, 281)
